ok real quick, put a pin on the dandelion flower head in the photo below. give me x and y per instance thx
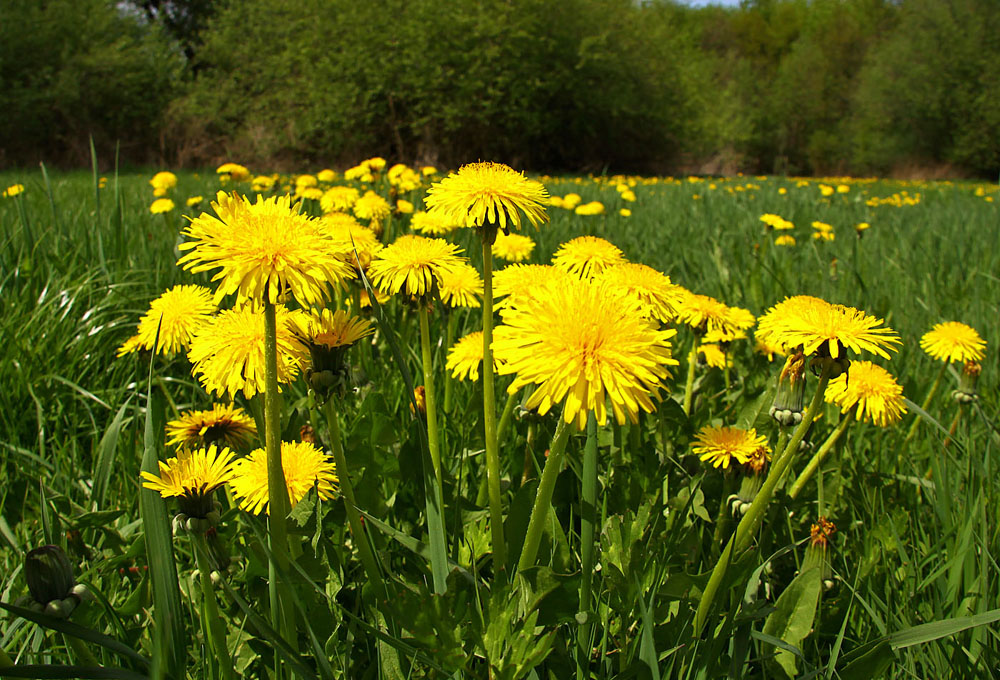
(587, 256)
(461, 286)
(872, 389)
(584, 344)
(513, 247)
(825, 329)
(432, 223)
(332, 329)
(223, 423)
(722, 445)
(304, 465)
(227, 352)
(263, 250)
(466, 356)
(192, 477)
(518, 282)
(175, 315)
(953, 341)
(482, 194)
(372, 207)
(413, 264)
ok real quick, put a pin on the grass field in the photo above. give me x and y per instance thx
(906, 588)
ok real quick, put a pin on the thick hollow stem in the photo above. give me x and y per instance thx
(277, 488)
(689, 385)
(433, 441)
(588, 519)
(490, 415)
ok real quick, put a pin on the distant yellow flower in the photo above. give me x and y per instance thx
(375, 164)
(192, 477)
(513, 248)
(428, 170)
(785, 240)
(351, 236)
(861, 227)
(222, 424)
(403, 207)
(227, 352)
(413, 264)
(164, 180)
(519, 282)
(193, 201)
(823, 328)
(570, 201)
(706, 314)
(372, 207)
(625, 212)
(825, 190)
(263, 251)
(175, 315)
(584, 344)
(591, 208)
(658, 297)
(488, 193)
(13, 190)
(161, 205)
(843, 188)
(262, 183)
(722, 445)
(872, 389)
(466, 356)
(824, 235)
(461, 286)
(326, 176)
(953, 341)
(232, 172)
(587, 256)
(432, 223)
(304, 465)
(776, 222)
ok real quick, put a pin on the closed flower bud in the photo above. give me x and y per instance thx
(49, 574)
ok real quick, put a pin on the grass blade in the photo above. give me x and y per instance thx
(106, 450)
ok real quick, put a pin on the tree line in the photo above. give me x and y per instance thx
(773, 86)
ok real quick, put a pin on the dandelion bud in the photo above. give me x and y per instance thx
(816, 553)
(790, 395)
(420, 397)
(49, 574)
(966, 392)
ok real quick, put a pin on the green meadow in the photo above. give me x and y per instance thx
(906, 586)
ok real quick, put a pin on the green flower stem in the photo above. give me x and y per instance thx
(588, 519)
(215, 631)
(282, 617)
(361, 538)
(543, 497)
(449, 340)
(490, 413)
(689, 385)
(818, 457)
(747, 527)
(927, 402)
(433, 440)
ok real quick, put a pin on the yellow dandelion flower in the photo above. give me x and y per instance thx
(164, 180)
(262, 183)
(713, 355)
(192, 477)
(413, 264)
(334, 329)
(762, 346)
(193, 201)
(658, 297)
(513, 247)
(227, 352)
(304, 465)
(625, 212)
(351, 236)
(587, 256)
(466, 356)
(364, 301)
(403, 207)
(704, 313)
(785, 240)
(372, 207)
(434, 224)
(461, 286)
(176, 315)
(825, 329)
(264, 250)
(13, 190)
(488, 193)
(570, 201)
(519, 282)
(232, 172)
(872, 389)
(722, 445)
(326, 176)
(824, 235)
(222, 424)
(584, 344)
(161, 205)
(953, 341)
(591, 208)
